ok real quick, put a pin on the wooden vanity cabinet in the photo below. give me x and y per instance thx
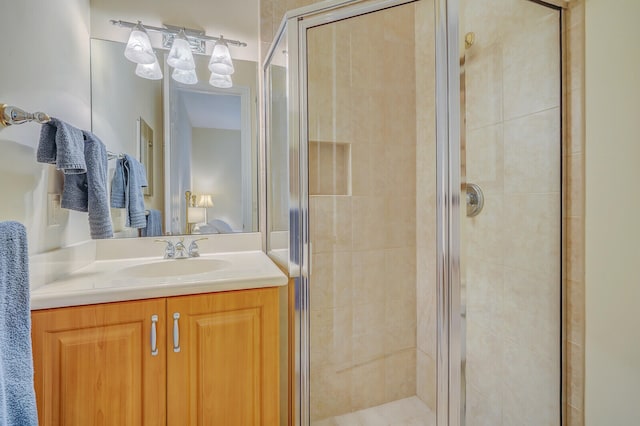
(93, 365)
(217, 361)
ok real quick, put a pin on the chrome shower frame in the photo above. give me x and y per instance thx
(294, 26)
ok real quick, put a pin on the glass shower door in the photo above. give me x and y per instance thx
(371, 167)
(511, 248)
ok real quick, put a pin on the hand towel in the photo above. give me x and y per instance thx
(118, 198)
(137, 178)
(129, 178)
(17, 395)
(87, 192)
(154, 224)
(63, 145)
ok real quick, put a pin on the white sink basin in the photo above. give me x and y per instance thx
(174, 268)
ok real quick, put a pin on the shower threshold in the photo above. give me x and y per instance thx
(403, 412)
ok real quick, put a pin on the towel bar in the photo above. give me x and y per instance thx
(13, 115)
(114, 156)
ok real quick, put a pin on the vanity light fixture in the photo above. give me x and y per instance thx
(220, 81)
(138, 48)
(184, 77)
(151, 72)
(182, 42)
(180, 55)
(221, 62)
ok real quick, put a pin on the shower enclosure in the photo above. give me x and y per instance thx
(414, 193)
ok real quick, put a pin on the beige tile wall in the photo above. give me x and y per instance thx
(426, 204)
(363, 288)
(512, 259)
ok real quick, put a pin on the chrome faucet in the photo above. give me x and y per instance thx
(169, 250)
(179, 251)
(194, 250)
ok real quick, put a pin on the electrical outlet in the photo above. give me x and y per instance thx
(54, 210)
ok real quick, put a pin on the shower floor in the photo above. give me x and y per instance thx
(403, 412)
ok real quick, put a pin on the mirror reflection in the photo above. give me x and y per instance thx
(197, 143)
(277, 155)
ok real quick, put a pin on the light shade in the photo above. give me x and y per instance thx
(221, 81)
(220, 62)
(138, 48)
(150, 72)
(197, 214)
(184, 77)
(180, 55)
(205, 200)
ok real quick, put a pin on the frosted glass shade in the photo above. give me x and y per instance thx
(180, 55)
(221, 62)
(138, 48)
(220, 81)
(150, 72)
(184, 77)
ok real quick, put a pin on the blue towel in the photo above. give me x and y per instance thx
(63, 145)
(154, 224)
(126, 190)
(118, 188)
(17, 396)
(87, 192)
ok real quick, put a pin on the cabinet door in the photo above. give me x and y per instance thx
(93, 365)
(226, 371)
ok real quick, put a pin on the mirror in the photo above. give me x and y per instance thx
(197, 143)
(277, 155)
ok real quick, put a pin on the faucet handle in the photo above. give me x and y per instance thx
(169, 250)
(194, 250)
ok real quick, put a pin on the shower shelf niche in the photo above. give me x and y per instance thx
(329, 168)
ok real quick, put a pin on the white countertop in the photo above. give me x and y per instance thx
(106, 281)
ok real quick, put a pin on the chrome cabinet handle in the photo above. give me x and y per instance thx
(154, 338)
(176, 332)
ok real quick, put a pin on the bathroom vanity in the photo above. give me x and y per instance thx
(200, 348)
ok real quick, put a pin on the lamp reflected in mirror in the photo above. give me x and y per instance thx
(197, 210)
(197, 216)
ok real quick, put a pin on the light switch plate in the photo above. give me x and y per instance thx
(54, 210)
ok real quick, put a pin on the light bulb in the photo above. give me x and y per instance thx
(221, 81)
(185, 77)
(151, 71)
(138, 48)
(221, 62)
(180, 55)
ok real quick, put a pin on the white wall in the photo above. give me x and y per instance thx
(216, 156)
(612, 212)
(45, 67)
